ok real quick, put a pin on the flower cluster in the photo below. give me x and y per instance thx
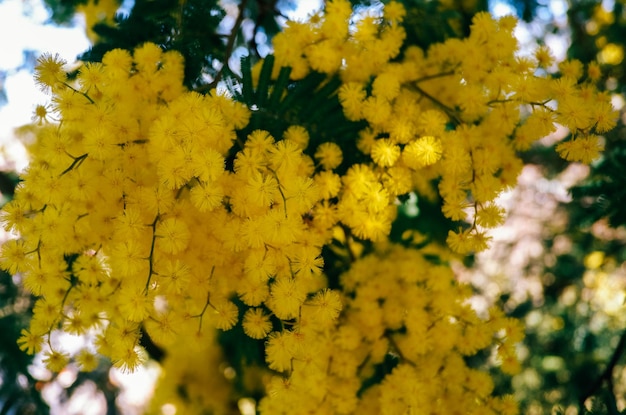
(127, 204)
(146, 211)
(459, 112)
(402, 311)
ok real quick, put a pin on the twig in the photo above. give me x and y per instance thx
(77, 162)
(151, 256)
(451, 113)
(607, 376)
(230, 45)
(434, 76)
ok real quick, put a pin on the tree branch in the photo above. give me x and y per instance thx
(230, 46)
(607, 376)
(451, 113)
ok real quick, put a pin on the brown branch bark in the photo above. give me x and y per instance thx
(230, 46)
(607, 376)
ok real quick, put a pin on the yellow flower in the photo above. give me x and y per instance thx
(490, 216)
(584, 149)
(91, 75)
(593, 71)
(386, 85)
(376, 110)
(328, 306)
(87, 361)
(206, 197)
(256, 323)
(55, 361)
(287, 295)
(422, 152)
(49, 71)
(253, 291)
(394, 11)
(298, 135)
(207, 164)
(260, 141)
(455, 206)
(128, 359)
(328, 183)
(573, 113)
(29, 342)
(385, 153)
(285, 155)
(324, 56)
(118, 63)
(163, 328)
(174, 276)
(307, 261)
(147, 57)
(329, 155)
(172, 235)
(544, 56)
(14, 255)
(134, 303)
(459, 241)
(571, 69)
(277, 351)
(604, 116)
(225, 314)
(300, 193)
(262, 189)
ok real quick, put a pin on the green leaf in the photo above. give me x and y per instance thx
(264, 81)
(304, 87)
(247, 87)
(280, 86)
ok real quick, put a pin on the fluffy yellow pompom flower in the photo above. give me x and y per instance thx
(278, 353)
(87, 361)
(172, 235)
(328, 305)
(385, 153)
(262, 189)
(206, 197)
(298, 135)
(226, 314)
(56, 361)
(128, 359)
(256, 323)
(394, 11)
(584, 149)
(29, 342)
(49, 71)
(14, 255)
(329, 155)
(490, 216)
(328, 184)
(422, 152)
(460, 241)
(287, 295)
(544, 57)
(118, 61)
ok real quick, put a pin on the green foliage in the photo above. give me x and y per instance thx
(19, 391)
(603, 195)
(429, 22)
(311, 103)
(190, 28)
(62, 11)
